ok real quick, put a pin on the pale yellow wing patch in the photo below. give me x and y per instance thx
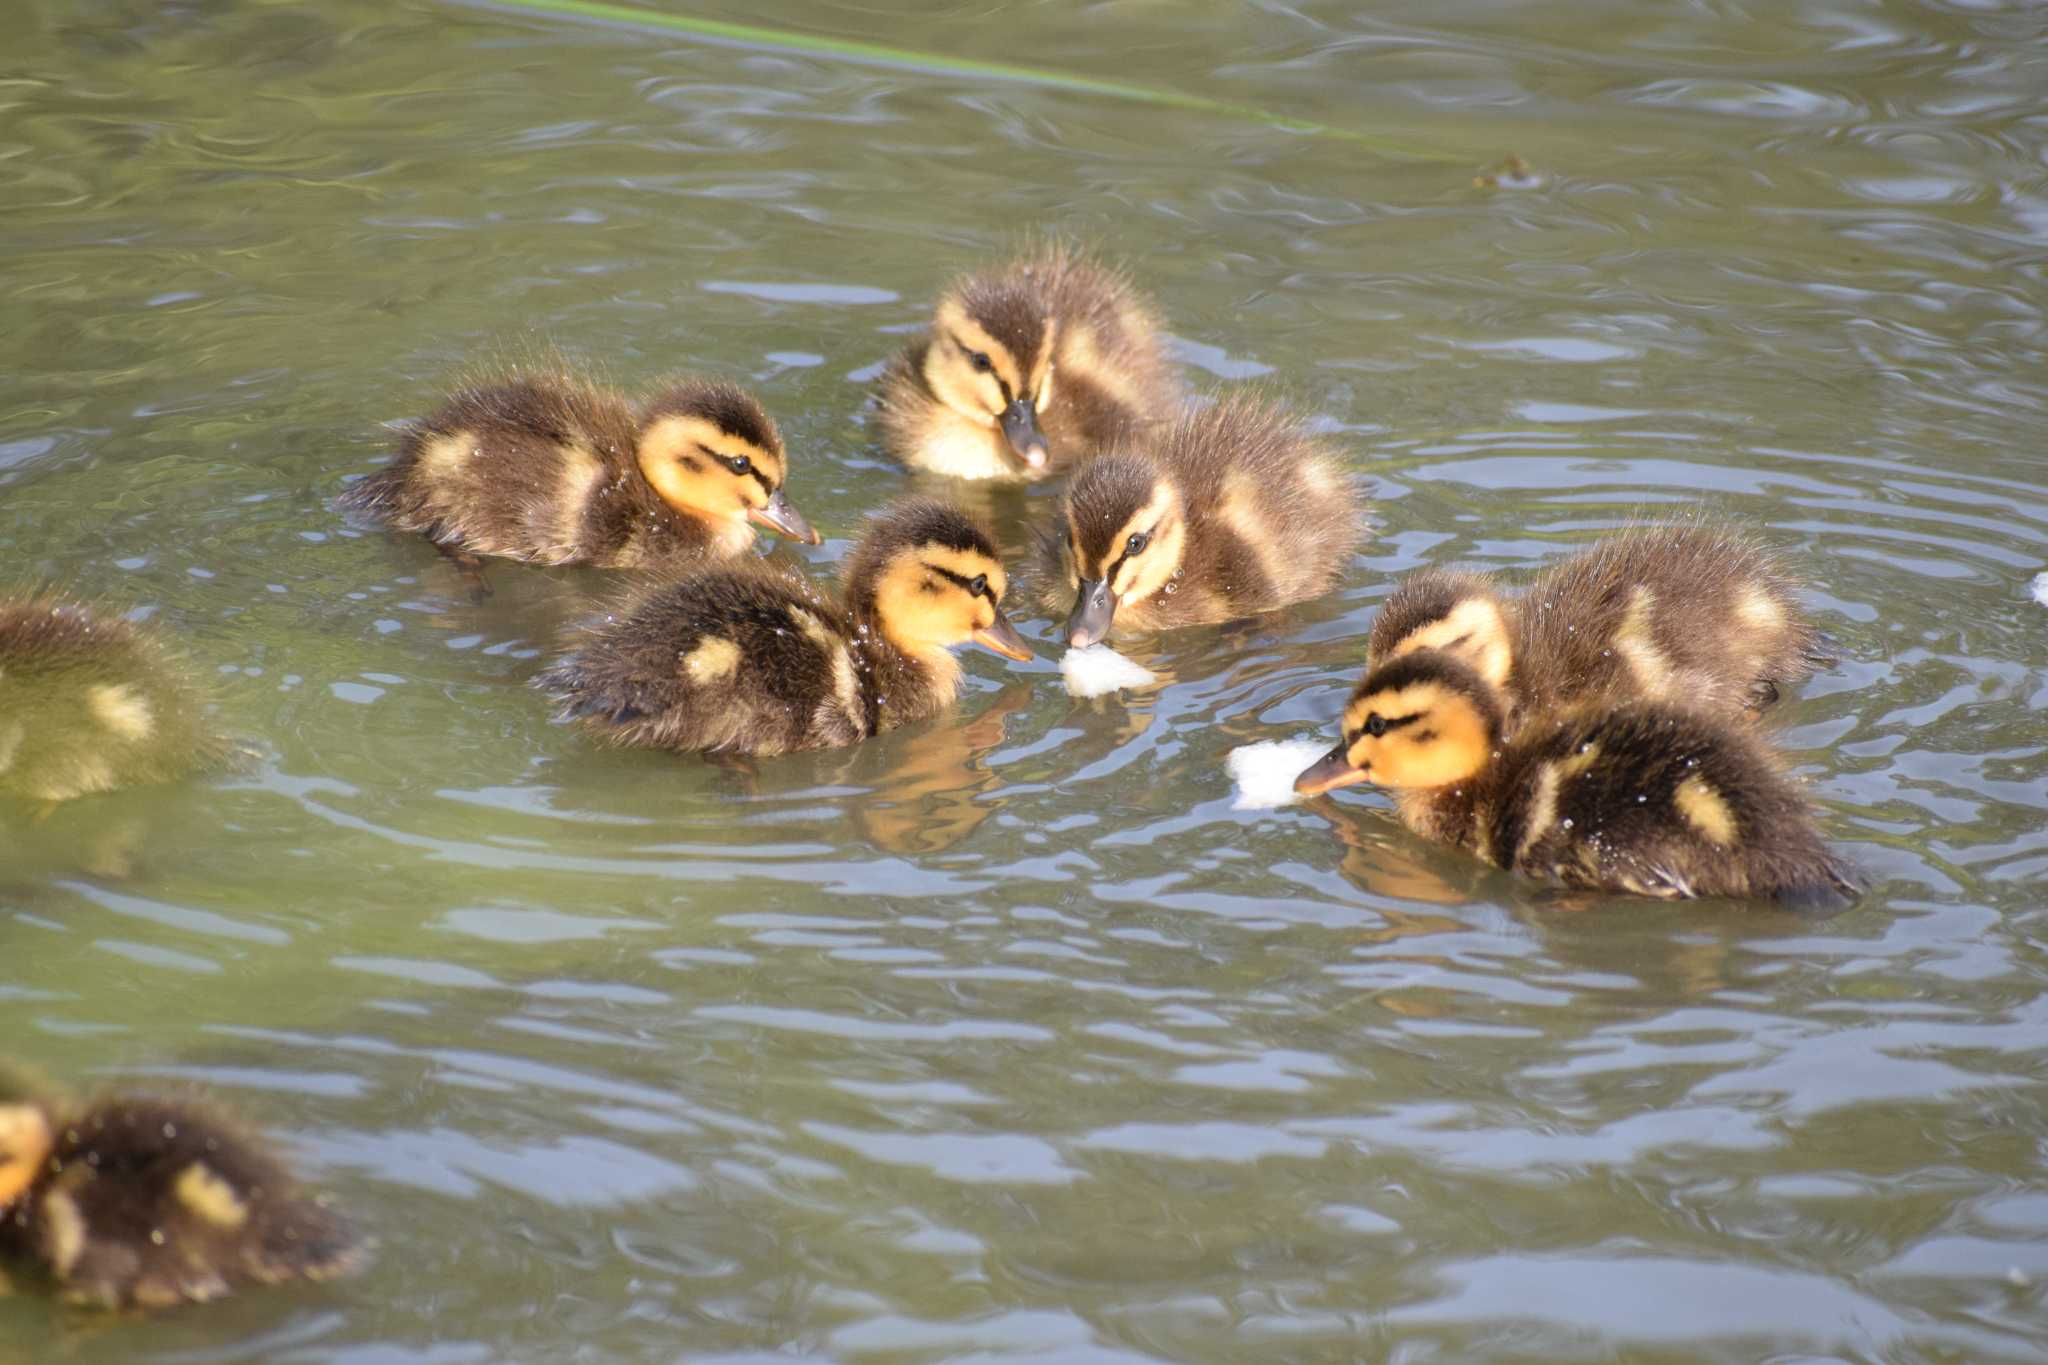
(202, 1190)
(713, 660)
(1706, 810)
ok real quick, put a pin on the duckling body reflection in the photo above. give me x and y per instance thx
(549, 469)
(1234, 511)
(1026, 369)
(143, 1202)
(1696, 613)
(1649, 797)
(750, 660)
(90, 703)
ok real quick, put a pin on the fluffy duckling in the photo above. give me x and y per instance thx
(1235, 510)
(1027, 368)
(1695, 613)
(751, 660)
(90, 703)
(1648, 797)
(135, 1201)
(548, 469)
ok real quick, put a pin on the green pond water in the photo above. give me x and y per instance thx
(1004, 1037)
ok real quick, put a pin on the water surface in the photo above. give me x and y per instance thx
(1005, 1037)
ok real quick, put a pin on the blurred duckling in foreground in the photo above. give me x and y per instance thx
(136, 1201)
(1234, 510)
(1695, 612)
(1027, 368)
(1648, 797)
(90, 702)
(752, 660)
(548, 469)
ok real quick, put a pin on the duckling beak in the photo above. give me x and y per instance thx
(1331, 771)
(1093, 610)
(1020, 429)
(1002, 637)
(778, 515)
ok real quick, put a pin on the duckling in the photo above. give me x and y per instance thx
(549, 469)
(1693, 612)
(136, 1201)
(1026, 368)
(752, 660)
(1236, 510)
(90, 702)
(1649, 797)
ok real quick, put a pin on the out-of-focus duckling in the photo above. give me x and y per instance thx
(133, 1201)
(1235, 510)
(1027, 368)
(90, 703)
(751, 660)
(549, 469)
(1696, 613)
(1648, 797)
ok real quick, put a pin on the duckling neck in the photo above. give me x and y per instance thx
(901, 683)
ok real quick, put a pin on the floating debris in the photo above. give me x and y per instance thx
(1511, 174)
(1265, 772)
(1098, 669)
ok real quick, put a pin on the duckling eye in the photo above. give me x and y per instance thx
(980, 361)
(977, 585)
(1375, 724)
(1137, 543)
(738, 464)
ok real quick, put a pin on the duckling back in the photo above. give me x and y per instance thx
(90, 702)
(742, 658)
(149, 1202)
(1657, 799)
(1693, 612)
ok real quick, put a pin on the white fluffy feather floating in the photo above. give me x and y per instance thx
(2041, 587)
(1265, 772)
(1098, 669)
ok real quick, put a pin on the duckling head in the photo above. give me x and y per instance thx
(711, 452)
(929, 578)
(1126, 532)
(1426, 719)
(1458, 613)
(990, 359)
(25, 1142)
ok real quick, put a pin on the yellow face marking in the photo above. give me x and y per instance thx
(121, 709)
(672, 457)
(1759, 610)
(1636, 644)
(1445, 742)
(25, 1141)
(1706, 810)
(1474, 632)
(63, 1232)
(713, 660)
(972, 392)
(924, 613)
(201, 1189)
(1149, 570)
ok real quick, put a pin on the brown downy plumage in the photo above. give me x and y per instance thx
(90, 703)
(1695, 613)
(1649, 797)
(1235, 510)
(1027, 368)
(752, 660)
(549, 469)
(133, 1201)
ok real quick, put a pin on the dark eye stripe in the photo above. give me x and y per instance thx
(964, 583)
(1393, 723)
